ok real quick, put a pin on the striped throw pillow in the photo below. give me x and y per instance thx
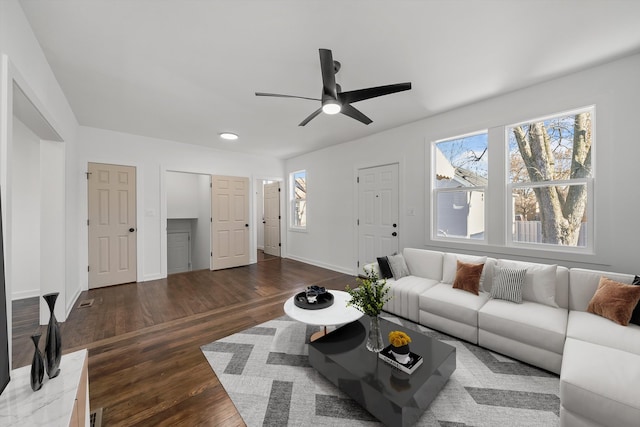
(507, 284)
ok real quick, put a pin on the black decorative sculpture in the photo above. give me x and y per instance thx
(53, 346)
(37, 364)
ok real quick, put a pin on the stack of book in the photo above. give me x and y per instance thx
(415, 360)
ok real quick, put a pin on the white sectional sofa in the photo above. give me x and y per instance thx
(600, 372)
(598, 360)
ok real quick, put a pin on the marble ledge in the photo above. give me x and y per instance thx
(50, 406)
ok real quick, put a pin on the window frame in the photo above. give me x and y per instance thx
(293, 226)
(589, 182)
(435, 191)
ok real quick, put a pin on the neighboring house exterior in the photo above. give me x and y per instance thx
(460, 213)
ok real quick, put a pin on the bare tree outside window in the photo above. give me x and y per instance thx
(549, 166)
(299, 202)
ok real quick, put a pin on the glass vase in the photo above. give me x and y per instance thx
(37, 365)
(374, 339)
(53, 347)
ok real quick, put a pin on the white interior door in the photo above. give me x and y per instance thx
(178, 252)
(112, 224)
(272, 218)
(378, 226)
(230, 221)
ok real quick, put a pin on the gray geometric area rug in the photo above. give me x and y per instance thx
(265, 370)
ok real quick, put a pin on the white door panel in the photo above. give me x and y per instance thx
(377, 213)
(112, 224)
(272, 219)
(230, 221)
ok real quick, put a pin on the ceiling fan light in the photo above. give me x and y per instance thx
(228, 136)
(331, 107)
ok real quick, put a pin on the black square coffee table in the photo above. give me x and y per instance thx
(392, 396)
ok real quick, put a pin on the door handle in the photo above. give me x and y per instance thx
(394, 234)
(131, 230)
(246, 225)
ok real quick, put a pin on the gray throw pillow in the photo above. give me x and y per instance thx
(507, 284)
(398, 266)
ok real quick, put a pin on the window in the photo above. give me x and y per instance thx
(550, 178)
(459, 181)
(298, 182)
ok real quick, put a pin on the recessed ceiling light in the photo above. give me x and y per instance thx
(229, 136)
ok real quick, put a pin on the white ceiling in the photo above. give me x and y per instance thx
(186, 70)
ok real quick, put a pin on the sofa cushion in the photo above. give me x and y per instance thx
(450, 265)
(405, 294)
(517, 349)
(539, 283)
(598, 330)
(614, 301)
(468, 277)
(398, 266)
(600, 383)
(531, 323)
(583, 284)
(455, 304)
(424, 263)
(507, 284)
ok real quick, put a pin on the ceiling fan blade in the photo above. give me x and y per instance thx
(278, 95)
(372, 92)
(354, 113)
(311, 117)
(328, 74)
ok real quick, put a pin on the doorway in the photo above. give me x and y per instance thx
(35, 215)
(378, 207)
(268, 218)
(188, 221)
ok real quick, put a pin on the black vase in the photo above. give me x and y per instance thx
(37, 365)
(52, 349)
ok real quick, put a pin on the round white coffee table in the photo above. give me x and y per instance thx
(336, 314)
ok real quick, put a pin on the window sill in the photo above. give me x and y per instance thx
(298, 229)
(544, 255)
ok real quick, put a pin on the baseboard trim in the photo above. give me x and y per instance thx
(321, 264)
(72, 300)
(150, 277)
(33, 293)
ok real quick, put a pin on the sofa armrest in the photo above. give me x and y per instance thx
(372, 267)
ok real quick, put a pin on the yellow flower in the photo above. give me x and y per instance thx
(398, 338)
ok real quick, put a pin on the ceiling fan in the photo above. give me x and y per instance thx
(335, 101)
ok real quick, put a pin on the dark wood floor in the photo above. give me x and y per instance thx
(145, 363)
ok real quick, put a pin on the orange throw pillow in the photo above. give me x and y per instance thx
(468, 277)
(614, 301)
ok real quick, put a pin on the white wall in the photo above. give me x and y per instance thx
(152, 159)
(24, 63)
(201, 258)
(53, 229)
(259, 198)
(182, 195)
(25, 210)
(613, 88)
